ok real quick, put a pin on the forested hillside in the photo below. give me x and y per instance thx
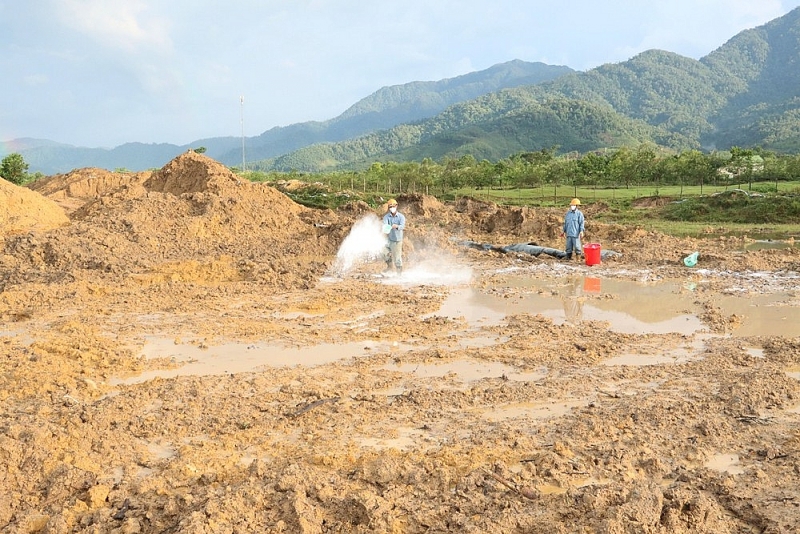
(397, 104)
(490, 127)
(385, 108)
(745, 93)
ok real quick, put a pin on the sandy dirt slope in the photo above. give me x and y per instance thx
(388, 415)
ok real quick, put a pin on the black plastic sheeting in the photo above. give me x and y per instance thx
(531, 248)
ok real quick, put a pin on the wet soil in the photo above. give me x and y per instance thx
(179, 354)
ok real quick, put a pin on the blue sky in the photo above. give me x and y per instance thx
(100, 73)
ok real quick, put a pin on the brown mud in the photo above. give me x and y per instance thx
(396, 435)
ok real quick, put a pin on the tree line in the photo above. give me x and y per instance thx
(609, 168)
(623, 167)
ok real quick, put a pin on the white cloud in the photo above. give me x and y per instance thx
(127, 25)
(173, 70)
(129, 39)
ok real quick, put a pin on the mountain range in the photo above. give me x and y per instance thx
(387, 107)
(745, 93)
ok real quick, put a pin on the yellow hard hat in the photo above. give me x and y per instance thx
(392, 202)
(575, 202)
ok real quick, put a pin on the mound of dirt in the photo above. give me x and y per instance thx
(22, 210)
(192, 221)
(74, 189)
(191, 173)
(519, 222)
(292, 186)
(424, 206)
(651, 202)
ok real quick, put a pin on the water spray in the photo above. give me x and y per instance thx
(365, 243)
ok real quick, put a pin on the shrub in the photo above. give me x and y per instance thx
(14, 169)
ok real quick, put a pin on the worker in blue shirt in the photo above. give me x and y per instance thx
(394, 223)
(573, 229)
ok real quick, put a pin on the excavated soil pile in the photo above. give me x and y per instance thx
(176, 356)
(74, 189)
(520, 222)
(191, 222)
(22, 211)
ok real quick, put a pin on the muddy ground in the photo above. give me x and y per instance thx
(542, 436)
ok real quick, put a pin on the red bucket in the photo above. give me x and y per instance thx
(591, 252)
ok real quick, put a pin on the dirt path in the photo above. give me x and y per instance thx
(450, 400)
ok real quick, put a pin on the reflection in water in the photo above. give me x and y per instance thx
(632, 308)
(591, 285)
(629, 307)
(572, 300)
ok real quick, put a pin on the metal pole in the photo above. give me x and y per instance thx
(241, 101)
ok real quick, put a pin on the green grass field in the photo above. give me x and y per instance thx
(761, 213)
(561, 195)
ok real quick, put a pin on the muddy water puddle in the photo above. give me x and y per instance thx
(725, 463)
(400, 438)
(19, 336)
(230, 358)
(433, 433)
(763, 315)
(771, 244)
(628, 307)
(533, 410)
(632, 308)
(480, 342)
(793, 372)
(639, 360)
(690, 351)
(197, 359)
(466, 370)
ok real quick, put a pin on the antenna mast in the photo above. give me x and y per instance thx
(241, 102)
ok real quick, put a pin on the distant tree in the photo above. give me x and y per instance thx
(542, 157)
(745, 162)
(622, 167)
(428, 174)
(14, 169)
(200, 150)
(485, 175)
(594, 167)
(695, 168)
